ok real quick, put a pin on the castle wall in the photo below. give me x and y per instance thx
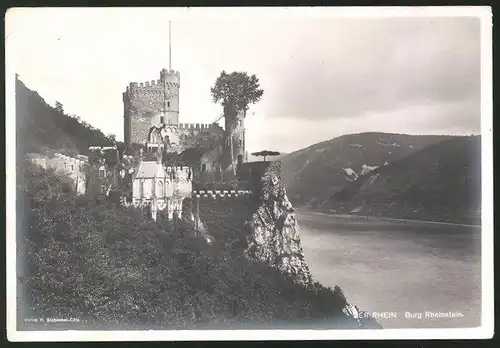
(81, 183)
(74, 167)
(179, 182)
(136, 190)
(251, 173)
(210, 161)
(144, 108)
(191, 135)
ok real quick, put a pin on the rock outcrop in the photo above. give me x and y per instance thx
(274, 232)
(274, 236)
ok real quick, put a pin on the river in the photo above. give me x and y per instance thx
(398, 271)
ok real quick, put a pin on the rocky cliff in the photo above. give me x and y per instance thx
(273, 230)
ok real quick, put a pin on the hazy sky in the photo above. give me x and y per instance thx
(321, 77)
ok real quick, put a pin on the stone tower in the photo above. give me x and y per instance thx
(235, 129)
(148, 104)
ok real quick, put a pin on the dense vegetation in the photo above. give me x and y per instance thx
(442, 182)
(112, 267)
(41, 127)
(313, 174)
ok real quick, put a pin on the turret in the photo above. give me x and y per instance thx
(170, 80)
(170, 77)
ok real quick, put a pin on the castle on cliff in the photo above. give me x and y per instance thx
(152, 132)
(151, 122)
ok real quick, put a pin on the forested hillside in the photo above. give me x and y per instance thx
(441, 182)
(313, 174)
(41, 127)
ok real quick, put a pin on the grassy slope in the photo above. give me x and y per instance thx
(313, 174)
(440, 182)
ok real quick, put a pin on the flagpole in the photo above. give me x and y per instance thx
(169, 47)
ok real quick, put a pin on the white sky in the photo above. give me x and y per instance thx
(321, 77)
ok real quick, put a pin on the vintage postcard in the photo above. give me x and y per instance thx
(249, 173)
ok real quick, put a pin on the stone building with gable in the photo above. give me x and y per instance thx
(161, 188)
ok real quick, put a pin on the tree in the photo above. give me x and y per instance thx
(266, 153)
(112, 138)
(59, 107)
(236, 90)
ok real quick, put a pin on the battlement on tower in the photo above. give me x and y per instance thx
(168, 78)
(199, 126)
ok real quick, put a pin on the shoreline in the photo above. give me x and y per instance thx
(376, 218)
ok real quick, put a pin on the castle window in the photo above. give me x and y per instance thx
(168, 104)
(204, 167)
(72, 167)
(240, 142)
(162, 119)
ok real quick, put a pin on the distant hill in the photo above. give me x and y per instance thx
(441, 182)
(41, 127)
(314, 174)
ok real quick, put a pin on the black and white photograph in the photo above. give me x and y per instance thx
(249, 173)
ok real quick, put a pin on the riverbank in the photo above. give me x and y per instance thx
(377, 218)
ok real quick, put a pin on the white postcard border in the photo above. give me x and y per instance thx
(486, 330)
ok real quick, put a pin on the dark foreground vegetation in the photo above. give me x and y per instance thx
(111, 267)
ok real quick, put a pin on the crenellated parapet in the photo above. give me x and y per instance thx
(178, 170)
(200, 126)
(220, 193)
(154, 87)
(168, 78)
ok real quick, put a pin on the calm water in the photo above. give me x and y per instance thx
(396, 267)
